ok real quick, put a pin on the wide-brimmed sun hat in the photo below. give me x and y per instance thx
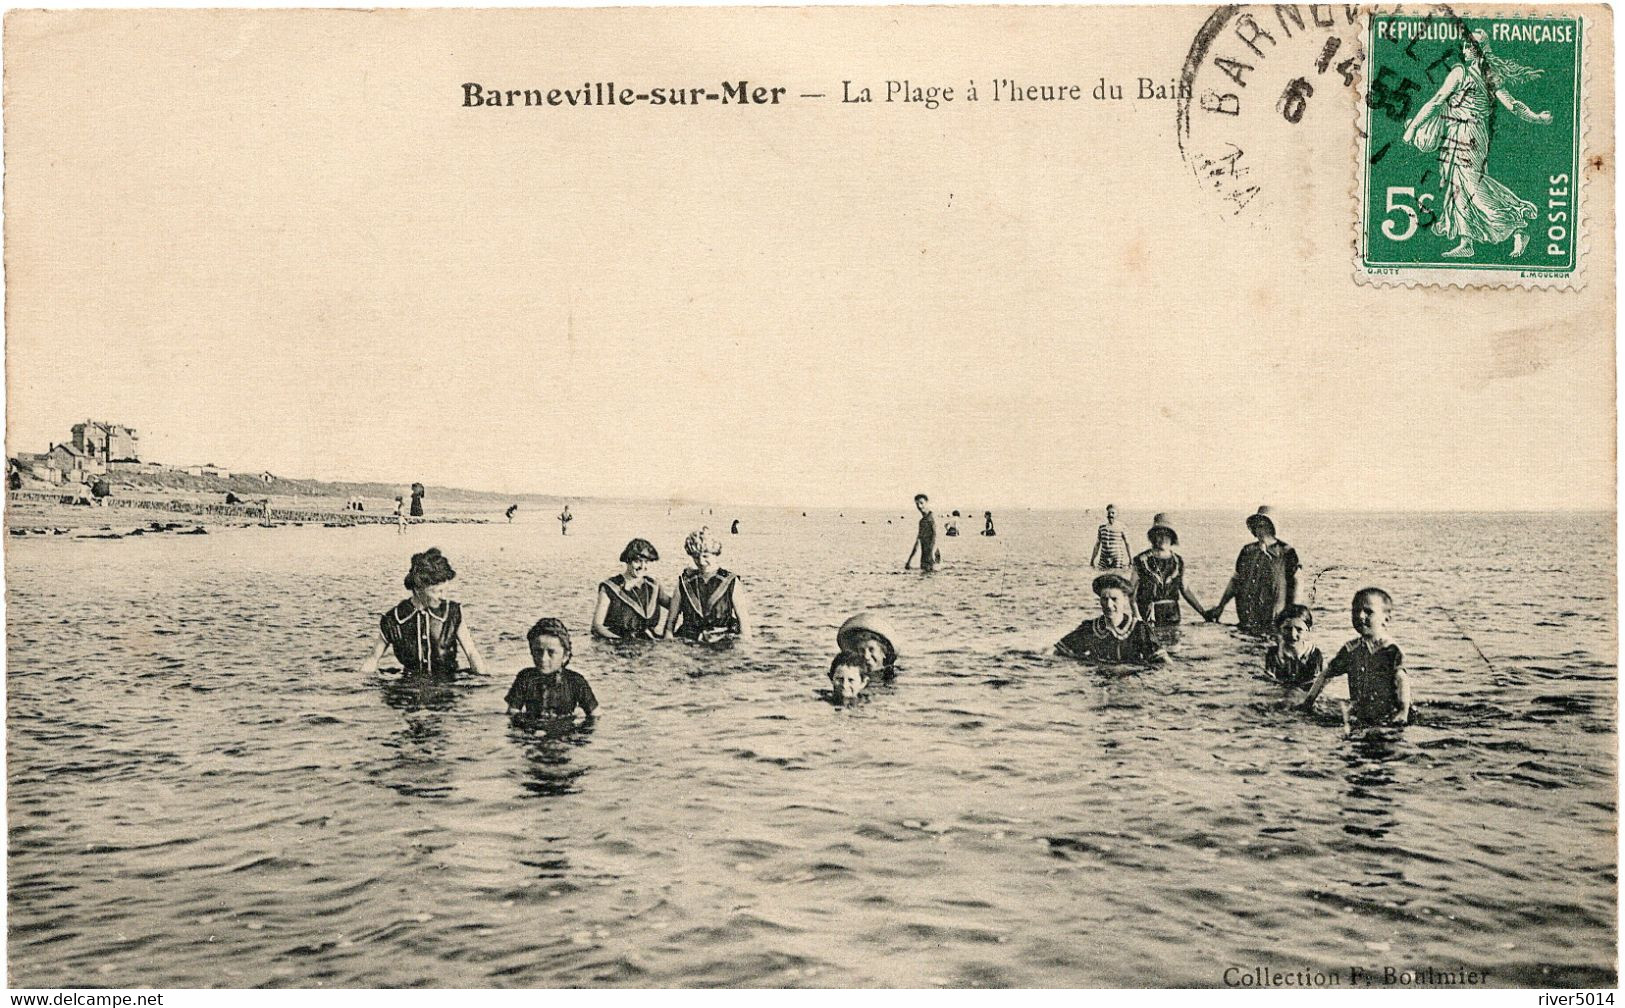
(1263, 514)
(1162, 523)
(867, 622)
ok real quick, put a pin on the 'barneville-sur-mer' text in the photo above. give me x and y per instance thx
(601, 93)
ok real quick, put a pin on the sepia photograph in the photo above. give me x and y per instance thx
(835, 497)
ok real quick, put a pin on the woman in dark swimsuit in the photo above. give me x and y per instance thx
(631, 605)
(426, 630)
(710, 602)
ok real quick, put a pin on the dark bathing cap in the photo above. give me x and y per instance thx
(551, 626)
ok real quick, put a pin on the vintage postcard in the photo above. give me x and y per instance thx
(838, 497)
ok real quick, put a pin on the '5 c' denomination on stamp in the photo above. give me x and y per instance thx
(1470, 147)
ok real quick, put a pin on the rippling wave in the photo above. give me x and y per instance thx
(204, 792)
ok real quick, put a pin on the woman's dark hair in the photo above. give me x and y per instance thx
(640, 549)
(1293, 612)
(920, 497)
(551, 626)
(428, 568)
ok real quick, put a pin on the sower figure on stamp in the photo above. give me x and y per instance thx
(1456, 122)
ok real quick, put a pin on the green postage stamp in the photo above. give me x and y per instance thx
(1470, 137)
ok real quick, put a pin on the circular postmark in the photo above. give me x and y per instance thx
(1259, 84)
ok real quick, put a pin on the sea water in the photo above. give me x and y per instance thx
(204, 791)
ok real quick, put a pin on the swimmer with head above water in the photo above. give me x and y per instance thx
(869, 637)
(848, 678)
(632, 605)
(425, 631)
(1117, 636)
(550, 687)
(1294, 662)
(710, 603)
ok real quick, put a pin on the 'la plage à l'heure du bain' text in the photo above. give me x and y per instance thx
(608, 94)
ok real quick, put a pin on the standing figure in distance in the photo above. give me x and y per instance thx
(925, 543)
(1111, 550)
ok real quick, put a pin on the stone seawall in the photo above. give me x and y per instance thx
(243, 512)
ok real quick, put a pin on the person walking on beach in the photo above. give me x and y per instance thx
(565, 518)
(1266, 578)
(1111, 550)
(426, 630)
(400, 515)
(988, 529)
(509, 513)
(925, 542)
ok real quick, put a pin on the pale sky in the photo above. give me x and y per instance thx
(317, 263)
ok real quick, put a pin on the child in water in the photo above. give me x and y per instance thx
(1293, 661)
(848, 677)
(1379, 692)
(869, 636)
(425, 631)
(1116, 636)
(550, 688)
